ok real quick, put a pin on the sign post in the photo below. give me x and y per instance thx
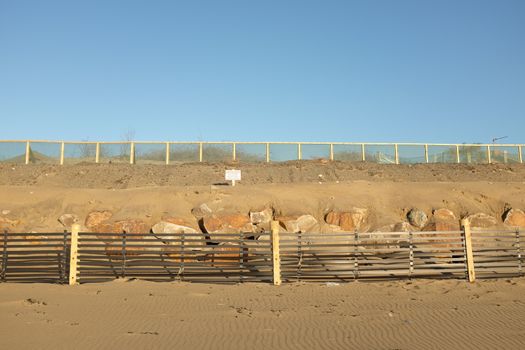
(233, 175)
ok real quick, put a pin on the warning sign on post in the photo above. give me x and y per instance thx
(233, 175)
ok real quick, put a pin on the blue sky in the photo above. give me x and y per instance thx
(401, 71)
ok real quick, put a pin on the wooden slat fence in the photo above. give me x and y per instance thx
(498, 253)
(378, 255)
(184, 257)
(249, 257)
(35, 257)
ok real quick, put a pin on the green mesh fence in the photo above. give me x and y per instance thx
(79, 152)
(184, 153)
(283, 152)
(411, 154)
(504, 154)
(380, 154)
(315, 151)
(349, 153)
(44, 152)
(442, 154)
(250, 152)
(473, 154)
(114, 153)
(217, 152)
(150, 153)
(13, 152)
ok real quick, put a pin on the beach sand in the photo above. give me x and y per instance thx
(132, 314)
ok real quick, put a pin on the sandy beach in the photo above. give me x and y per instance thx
(132, 314)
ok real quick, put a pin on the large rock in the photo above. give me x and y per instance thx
(229, 223)
(348, 220)
(403, 227)
(303, 224)
(170, 234)
(164, 227)
(514, 218)
(261, 217)
(482, 220)
(121, 226)
(201, 211)
(68, 219)
(443, 220)
(444, 214)
(179, 221)
(417, 218)
(97, 217)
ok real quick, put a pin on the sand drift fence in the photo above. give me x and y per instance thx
(81, 257)
(35, 257)
(139, 152)
(182, 257)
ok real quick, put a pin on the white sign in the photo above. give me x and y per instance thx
(233, 175)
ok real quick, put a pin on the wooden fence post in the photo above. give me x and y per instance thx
(468, 250)
(73, 254)
(276, 258)
(132, 153)
(396, 153)
(28, 151)
(167, 153)
(97, 152)
(62, 147)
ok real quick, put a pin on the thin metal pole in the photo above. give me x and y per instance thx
(234, 151)
(331, 151)
(410, 254)
(489, 156)
(267, 152)
(200, 152)
(363, 156)
(241, 258)
(181, 271)
(299, 152)
(299, 256)
(457, 154)
(4, 257)
(518, 248)
(356, 260)
(426, 153)
(123, 271)
(520, 154)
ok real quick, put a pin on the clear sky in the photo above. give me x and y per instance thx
(326, 70)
